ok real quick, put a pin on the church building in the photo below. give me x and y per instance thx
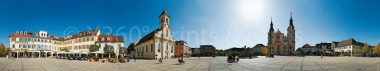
(278, 43)
(157, 44)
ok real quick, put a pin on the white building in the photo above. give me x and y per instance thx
(23, 43)
(157, 44)
(109, 40)
(349, 47)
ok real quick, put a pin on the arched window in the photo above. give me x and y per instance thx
(17, 33)
(151, 48)
(20, 33)
(108, 38)
(159, 47)
(162, 20)
(102, 39)
(167, 46)
(167, 20)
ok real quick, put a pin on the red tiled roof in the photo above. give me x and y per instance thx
(22, 34)
(112, 38)
(308, 46)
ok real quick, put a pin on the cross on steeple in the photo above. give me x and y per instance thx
(291, 13)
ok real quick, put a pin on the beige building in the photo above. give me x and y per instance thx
(278, 43)
(26, 44)
(157, 44)
(349, 47)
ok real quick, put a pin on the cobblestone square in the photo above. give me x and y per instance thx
(279, 63)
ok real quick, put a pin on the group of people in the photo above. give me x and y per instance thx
(180, 60)
(233, 58)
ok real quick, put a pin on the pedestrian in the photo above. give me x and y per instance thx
(160, 60)
(321, 56)
(237, 58)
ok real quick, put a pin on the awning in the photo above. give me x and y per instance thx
(98, 52)
(328, 52)
(74, 52)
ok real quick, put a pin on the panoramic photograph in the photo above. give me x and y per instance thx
(189, 35)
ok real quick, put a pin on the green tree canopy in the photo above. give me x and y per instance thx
(64, 49)
(131, 48)
(108, 49)
(93, 48)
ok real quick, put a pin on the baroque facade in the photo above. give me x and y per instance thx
(157, 44)
(279, 44)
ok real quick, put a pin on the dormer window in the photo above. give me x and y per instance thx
(20, 33)
(17, 33)
(108, 38)
(25, 33)
(102, 39)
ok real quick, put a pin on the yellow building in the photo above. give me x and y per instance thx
(42, 44)
(157, 44)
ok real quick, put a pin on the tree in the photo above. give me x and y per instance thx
(264, 51)
(122, 50)
(365, 49)
(93, 48)
(108, 49)
(377, 49)
(64, 49)
(2, 49)
(25, 51)
(131, 48)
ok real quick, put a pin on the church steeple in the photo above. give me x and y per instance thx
(291, 20)
(164, 20)
(271, 25)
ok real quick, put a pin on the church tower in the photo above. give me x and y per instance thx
(291, 35)
(165, 24)
(270, 36)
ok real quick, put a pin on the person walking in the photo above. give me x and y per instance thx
(321, 56)
(160, 60)
(237, 58)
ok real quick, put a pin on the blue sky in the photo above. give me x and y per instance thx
(222, 23)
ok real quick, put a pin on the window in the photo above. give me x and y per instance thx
(102, 39)
(24, 46)
(99, 46)
(13, 39)
(167, 20)
(146, 48)
(172, 49)
(92, 39)
(13, 45)
(162, 20)
(167, 46)
(151, 48)
(108, 38)
(159, 47)
(17, 33)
